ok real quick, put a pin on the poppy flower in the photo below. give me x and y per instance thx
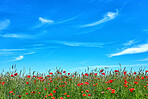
(10, 91)
(110, 81)
(84, 95)
(12, 76)
(95, 74)
(45, 88)
(101, 70)
(51, 73)
(3, 83)
(89, 94)
(131, 90)
(28, 76)
(68, 95)
(27, 82)
(142, 77)
(103, 73)
(15, 74)
(116, 71)
(64, 71)
(136, 82)
(134, 72)
(26, 93)
(87, 90)
(54, 91)
(68, 73)
(124, 72)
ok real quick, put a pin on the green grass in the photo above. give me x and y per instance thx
(88, 85)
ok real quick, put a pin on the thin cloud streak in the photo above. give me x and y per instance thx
(109, 16)
(131, 42)
(80, 44)
(140, 49)
(9, 50)
(146, 59)
(16, 36)
(18, 58)
(45, 20)
(4, 24)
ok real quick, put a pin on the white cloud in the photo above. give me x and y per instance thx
(16, 36)
(29, 53)
(45, 20)
(18, 58)
(133, 50)
(146, 59)
(130, 43)
(4, 24)
(109, 16)
(9, 50)
(76, 44)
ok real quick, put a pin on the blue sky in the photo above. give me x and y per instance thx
(73, 34)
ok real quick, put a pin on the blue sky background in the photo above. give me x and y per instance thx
(73, 34)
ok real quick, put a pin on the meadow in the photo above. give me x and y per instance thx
(92, 84)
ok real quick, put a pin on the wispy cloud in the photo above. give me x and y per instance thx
(146, 59)
(109, 16)
(43, 20)
(8, 50)
(16, 36)
(18, 58)
(4, 24)
(133, 50)
(29, 53)
(80, 44)
(108, 66)
(131, 42)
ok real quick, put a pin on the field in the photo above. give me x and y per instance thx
(95, 84)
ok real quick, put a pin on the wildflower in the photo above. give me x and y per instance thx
(110, 81)
(26, 93)
(39, 92)
(95, 74)
(28, 76)
(131, 90)
(72, 75)
(46, 96)
(86, 74)
(86, 83)
(61, 98)
(10, 91)
(68, 73)
(87, 90)
(136, 82)
(94, 85)
(113, 91)
(108, 88)
(134, 72)
(34, 76)
(27, 82)
(53, 98)
(51, 73)
(103, 73)
(101, 70)
(50, 94)
(124, 72)
(102, 92)
(54, 91)
(15, 74)
(146, 71)
(81, 91)
(45, 88)
(65, 93)
(116, 71)
(84, 95)
(125, 85)
(68, 95)
(142, 77)
(3, 83)
(12, 76)
(89, 94)
(64, 71)
(19, 96)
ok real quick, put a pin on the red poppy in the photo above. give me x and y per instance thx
(61, 98)
(53, 98)
(87, 90)
(89, 94)
(68, 73)
(26, 93)
(54, 91)
(134, 72)
(136, 82)
(124, 72)
(108, 88)
(3, 83)
(64, 71)
(103, 73)
(51, 73)
(116, 71)
(142, 77)
(45, 88)
(15, 74)
(95, 74)
(84, 95)
(27, 82)
(101, 70)
(28, 76)
(110, 81)
(68, 95)
(131, 90)
(86, 74)
(12, 76)
(146, 71)
(10, 91)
